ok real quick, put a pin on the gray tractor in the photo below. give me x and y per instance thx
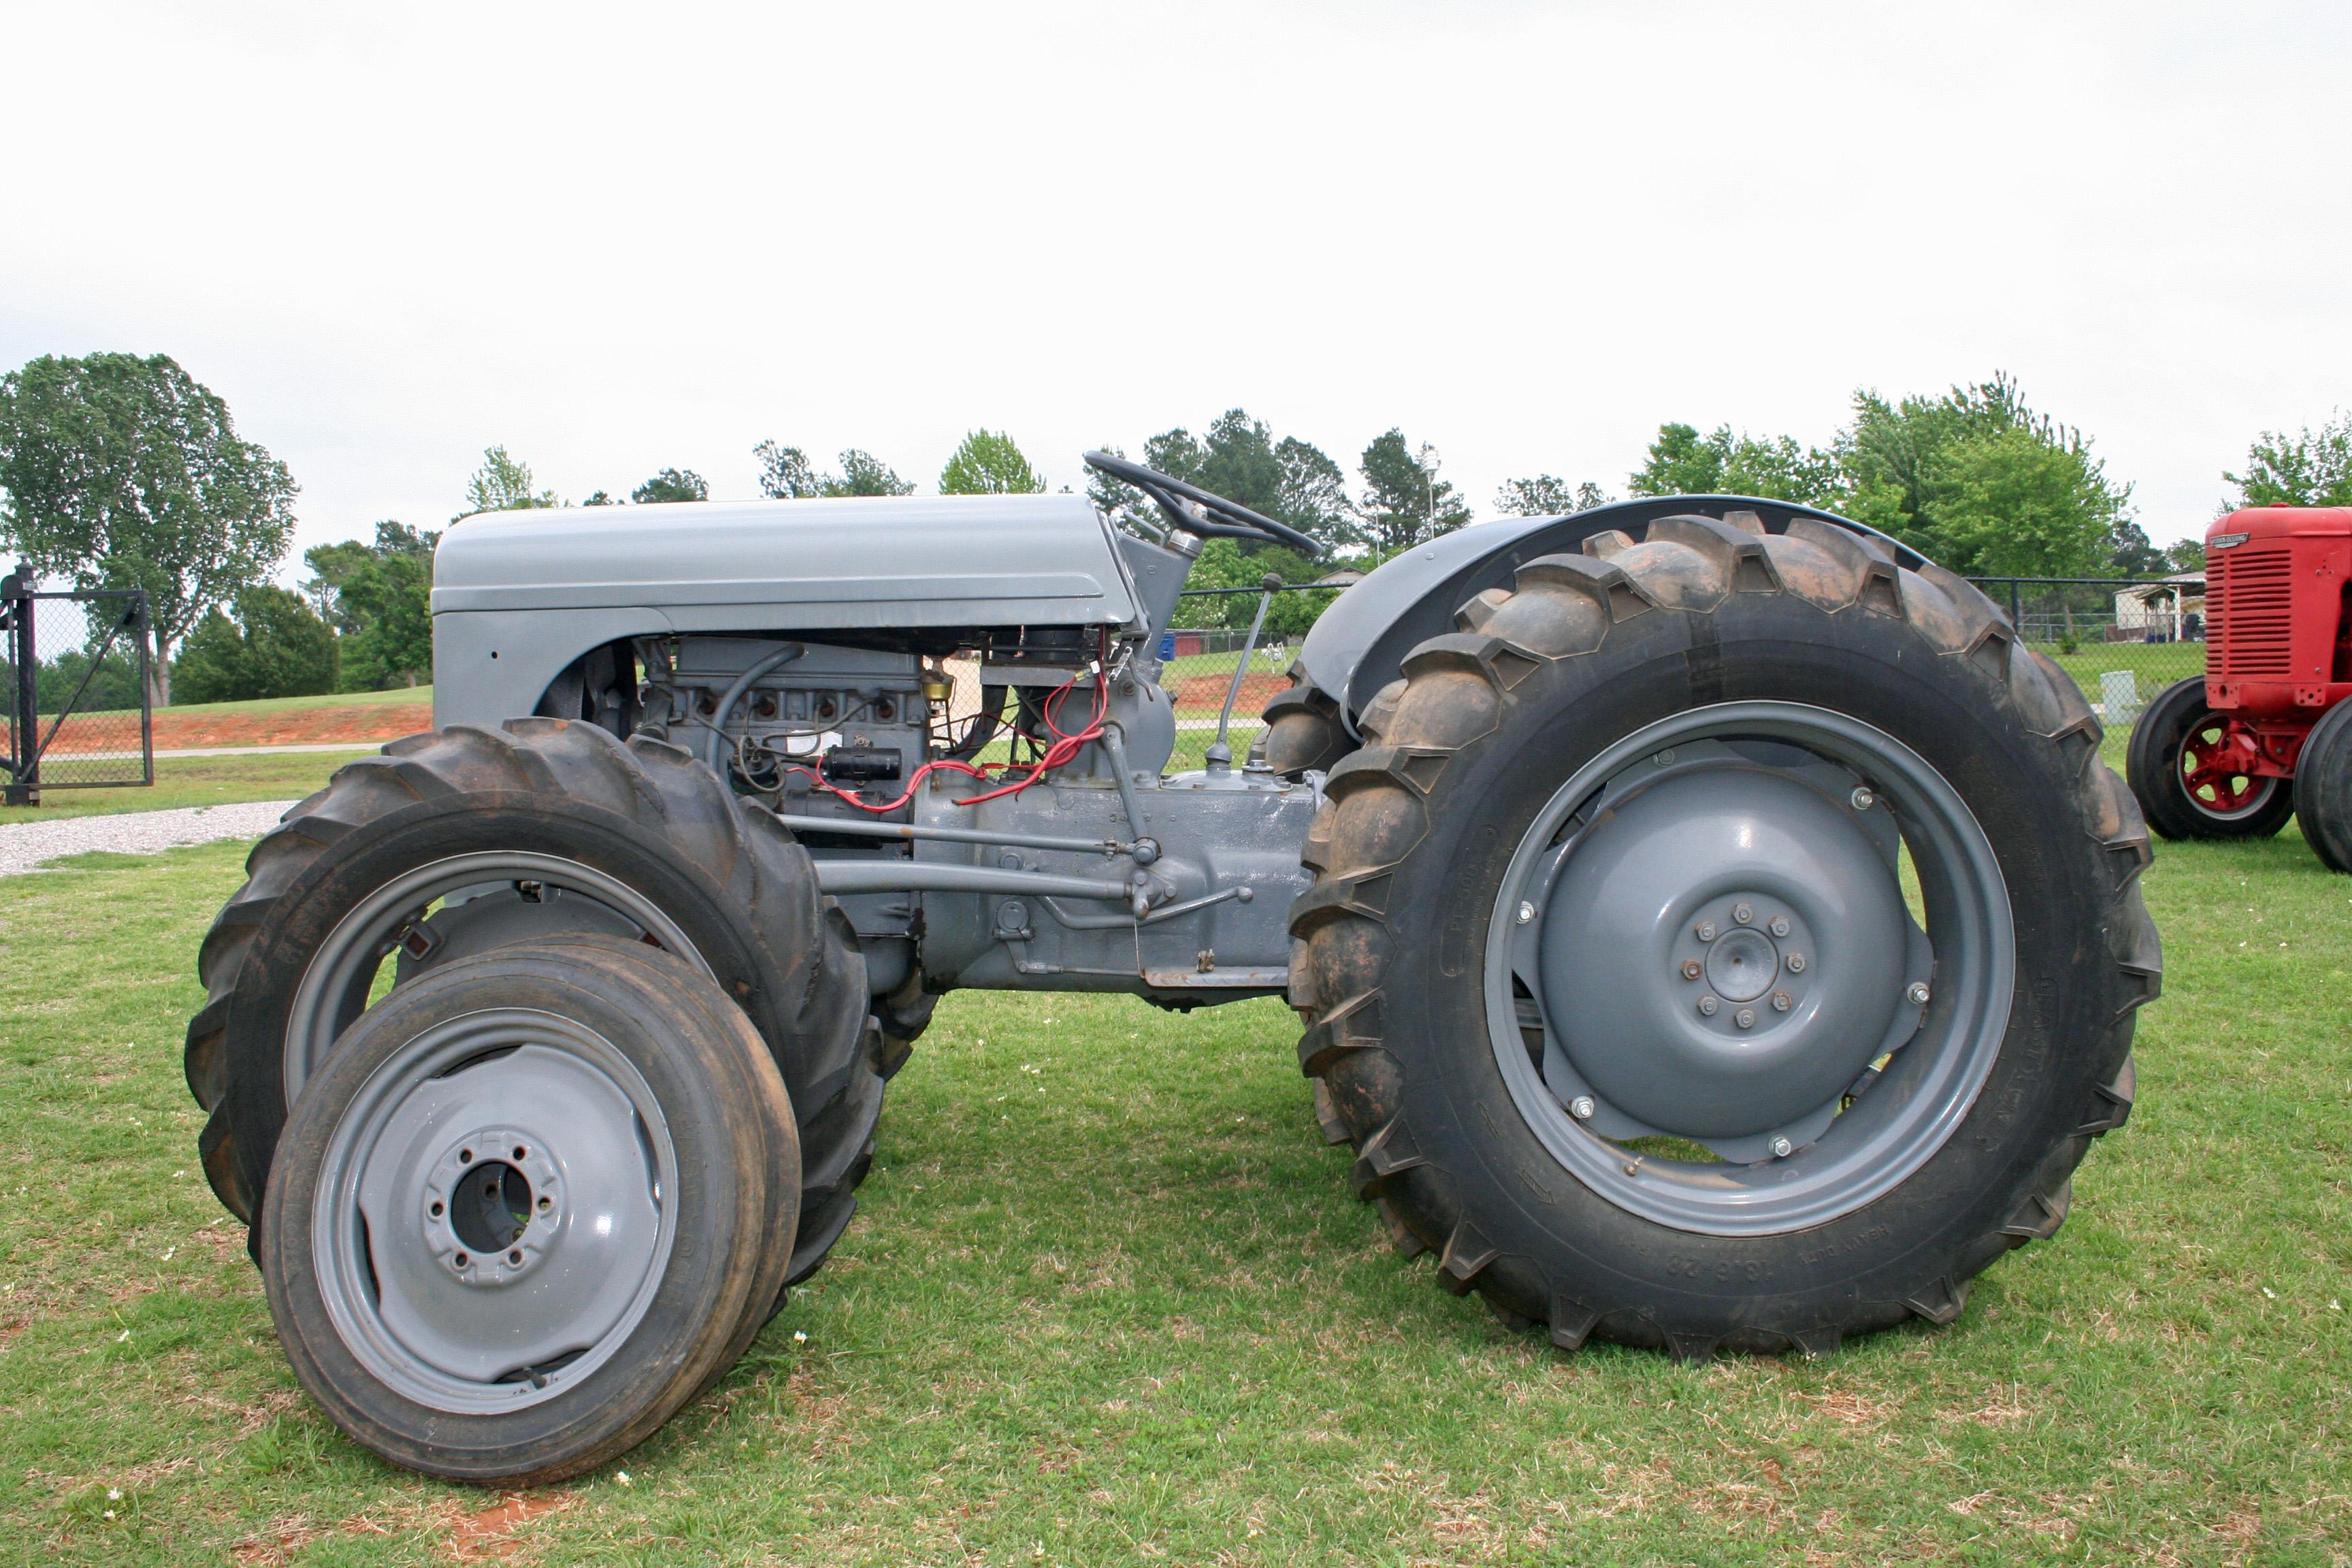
(1713, 930)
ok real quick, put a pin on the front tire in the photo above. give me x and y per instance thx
(2186, 764)
(1555, 1169)
(532, 1205)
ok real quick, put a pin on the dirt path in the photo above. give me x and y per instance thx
(353, 721)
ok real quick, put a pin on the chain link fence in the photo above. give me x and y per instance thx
(2122, 640)
(74, 674)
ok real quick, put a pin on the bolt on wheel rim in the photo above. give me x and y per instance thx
(490, 1220)
(1722, 956)
(485, 900)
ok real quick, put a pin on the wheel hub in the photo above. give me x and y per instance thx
(1773, 891)
(492, 1207)
(2218, 760)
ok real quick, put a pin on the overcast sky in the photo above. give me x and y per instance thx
(619, 239)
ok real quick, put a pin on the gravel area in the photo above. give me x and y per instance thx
(25, 845)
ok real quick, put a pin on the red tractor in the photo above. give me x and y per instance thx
(2266, 733)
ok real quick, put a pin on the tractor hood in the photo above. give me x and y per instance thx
(866, 561)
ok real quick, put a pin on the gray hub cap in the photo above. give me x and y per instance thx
(490, 1222)
(1703, 937)
(484, 901)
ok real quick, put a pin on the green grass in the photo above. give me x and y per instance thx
(1109, 1300)
(2156, 665)
(196, 780)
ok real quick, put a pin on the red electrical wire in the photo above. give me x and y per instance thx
(1065, 747)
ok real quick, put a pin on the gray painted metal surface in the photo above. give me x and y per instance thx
(518, 595)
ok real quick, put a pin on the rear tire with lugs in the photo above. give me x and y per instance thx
(1689, 771)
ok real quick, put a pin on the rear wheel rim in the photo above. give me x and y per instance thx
(337, 981)
(404, 1193)
(2214, 756)
(1585, 1000)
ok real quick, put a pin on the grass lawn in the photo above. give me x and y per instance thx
(196, 780)
(1109, 1301)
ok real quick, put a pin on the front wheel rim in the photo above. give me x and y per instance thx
(2214, 755)
(1796, 1158)
(420, 1171)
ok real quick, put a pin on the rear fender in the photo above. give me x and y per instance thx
(1358, 644)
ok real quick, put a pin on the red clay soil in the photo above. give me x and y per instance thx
(1208, 692)
(355, 722)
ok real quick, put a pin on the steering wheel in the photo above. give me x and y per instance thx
(1217, 518)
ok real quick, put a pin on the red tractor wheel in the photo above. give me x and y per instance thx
(2191, 770)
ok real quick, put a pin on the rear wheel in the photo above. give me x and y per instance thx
(2323, 789)
(530, 1206)
(1724, 941)
(2190, 770)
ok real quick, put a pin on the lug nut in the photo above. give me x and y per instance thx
(1782, 1147)
(1665, 758)
(1796, 962)
(1779, 926)
(1706, 930)
(1917, 993)
(1690, 969)
(1864, 800)
(1745, 1017)
(1742, 913)
(1780, 1000)
(1707, 1006)
(1527, 911)
(1581, 1108)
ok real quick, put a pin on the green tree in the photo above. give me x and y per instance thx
(1682, 462)
(331, 565)
(2185, 556)
(276, 646)
(786, 474)
(2313, 467)
(126, 472)
(1546, 496)
(2009, 505)
(390, 600)
(1923, 470)
(670, 484)
(1404, 501)
(987, 463)
(1290, 480)
(1974, 480)
(1235, 564)
(504, 484)
(378, 598)
(864, 474)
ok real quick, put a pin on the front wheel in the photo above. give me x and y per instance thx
(2191, 770)
(1724, 941)
(528, 1207)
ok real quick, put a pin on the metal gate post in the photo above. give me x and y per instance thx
(24, 787)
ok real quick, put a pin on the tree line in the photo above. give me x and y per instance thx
(119, 471)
